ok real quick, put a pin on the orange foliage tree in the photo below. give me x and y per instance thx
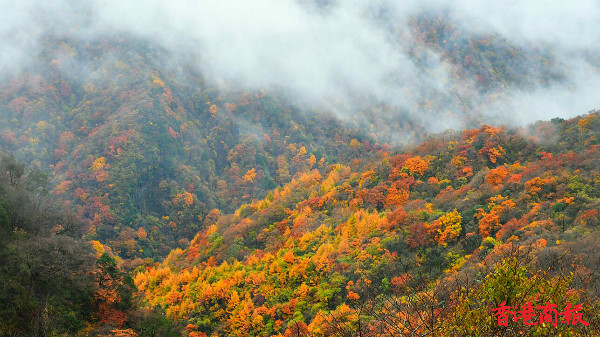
(496, 176)
(416, 165)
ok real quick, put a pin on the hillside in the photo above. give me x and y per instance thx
(134, 143)
(51, 281)
(299, 168)
(389, 245)
(131, 145)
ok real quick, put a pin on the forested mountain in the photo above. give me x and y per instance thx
(136, 148)
(424, 242)
(134, 144)
(298, 168)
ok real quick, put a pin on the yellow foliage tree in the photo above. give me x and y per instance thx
(450, 227)
(250, 176)
(98, 164)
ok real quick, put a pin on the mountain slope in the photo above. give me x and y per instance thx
(311, 256)
(136, 139)
(132, 144)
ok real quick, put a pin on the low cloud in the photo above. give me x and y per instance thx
(341, 56)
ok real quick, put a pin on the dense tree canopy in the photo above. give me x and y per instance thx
(141, 198)
(330, 254)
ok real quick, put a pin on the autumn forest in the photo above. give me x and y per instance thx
(158, 180)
